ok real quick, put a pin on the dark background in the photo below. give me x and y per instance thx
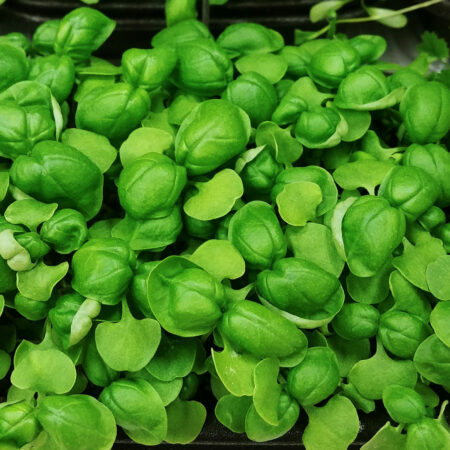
(138, 20)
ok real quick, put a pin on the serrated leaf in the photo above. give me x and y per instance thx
(433, 45)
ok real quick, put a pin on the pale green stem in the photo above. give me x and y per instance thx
(378, 17)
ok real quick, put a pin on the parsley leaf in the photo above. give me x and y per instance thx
(434, 46)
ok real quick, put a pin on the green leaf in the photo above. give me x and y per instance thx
(5, 363)
(82, 320)
(394, 21)
(167, 390)
(358, 123)
(43, 368)
(184, 421)
(4, 184)
(271, 66)
(220, 258)
(438, 277)
(135, 341)
(348, 355)
(145, 140)
(38, 283)
(216, 197)
(322, 9)
(179, 10)
(314, 242)
(235, 371)
(287, 149)
(408, 298)
(367, 174)
(149, 234)
(297, 202)
(259, 430)
(138, 409)
(231, 412)
(370, 290)
(57, 117)
(433, 45)
(98, 67)
(333, 426)
(413, 263)
(29, 212)
(301, 36)
(76, 422)
(439, 319)
(96, 147)
(432, 360)
(371, 376)
(267, 391)
(386, 438)
(174, 358)
(336, 223)
(360, 402)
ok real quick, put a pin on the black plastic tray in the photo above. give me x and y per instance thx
(215, 436)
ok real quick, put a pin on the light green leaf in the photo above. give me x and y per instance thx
(336, 223)
(235, 371)
(433, 45)
(333, 426)
(57, 117)
(95, 146)
(271, 66)
(440, 320)
(220, 258)
(135, 341)
(174, 358)
(321, 9)
(267, 391)
(438, 277)
(384, 16)
(297, 202)
(215, 198)
(314, 242)
(231, 412)
(184, 421)
(4, 184)
(5, 363)
(99, 67)
(371, 376)
(38, 283)
(386, 438)
(43, 368)
(413, 263)
(358, 123)
(82, 321)
(367, 174)
(259, 430)
(348, 355)
(145, 140)
(287, 149)
(29, 212)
